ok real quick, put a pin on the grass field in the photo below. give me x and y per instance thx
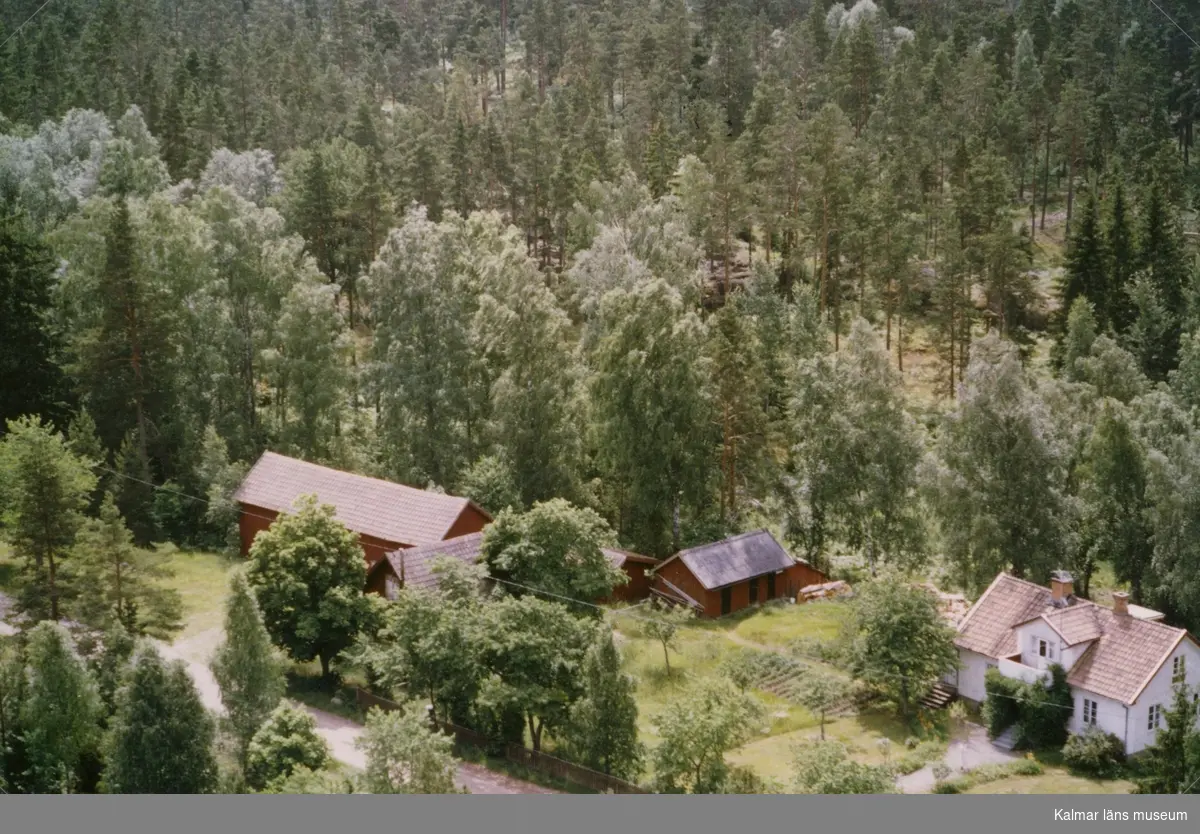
(202, 579)
(1054, 780)
(778, 626)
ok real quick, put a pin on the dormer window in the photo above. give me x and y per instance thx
(1178, 669)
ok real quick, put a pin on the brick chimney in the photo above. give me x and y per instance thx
(1062, 585)
(1120, 603)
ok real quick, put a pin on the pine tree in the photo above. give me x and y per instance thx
(60, 712)
(602, 732)
(120, 581)
(161, 738)
(1119, 246)
(1160, 256)
(1172, 762)
(46, 488)
(246, 665)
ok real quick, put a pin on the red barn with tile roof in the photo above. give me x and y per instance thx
(385, 515)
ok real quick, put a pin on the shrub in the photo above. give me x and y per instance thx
(1001, 709)
(1094, 753)
(287, 741)
(919, 756)
(1044, 712)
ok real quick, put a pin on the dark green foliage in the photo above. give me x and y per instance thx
(31, 379)
(1095, 753)
(1172, 763)
(1040, 711)
(603, 731)
(160, 738)
(1001, 709)
(1087, 267)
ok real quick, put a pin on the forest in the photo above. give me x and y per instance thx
(911, 283)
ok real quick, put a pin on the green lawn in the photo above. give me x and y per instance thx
(8, 568)
(778, 626)
(202, 579)
(1054, 780)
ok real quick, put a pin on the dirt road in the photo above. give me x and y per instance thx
(339, 733)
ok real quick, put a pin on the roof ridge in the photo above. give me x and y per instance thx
(732, 538)
(384, 481)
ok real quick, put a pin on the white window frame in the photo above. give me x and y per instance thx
(1154, 718)
(1043, 649)
(1089, 711)
(1179, 669)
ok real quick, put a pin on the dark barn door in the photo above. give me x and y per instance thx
(754, 590)
(770, 586)
(726, 600)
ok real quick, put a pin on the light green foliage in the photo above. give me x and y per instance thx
(697, 730)
(307, 573)
(246, 666)
(160, 738)
(996, 481)
(306, 781)
(118, 580)
(60, 711)
(822, 693)
(902, 644)
(489, 482)
(652, 415)
(405, 755)
(823, 767)
(46, 487)
(857, 455)
(553, 547)
(286, 741)
(602, 731)
(662, 623)
(534, 653)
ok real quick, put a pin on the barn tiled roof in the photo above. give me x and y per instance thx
(388, 511)
(415, 564)
(735, 559)
(1124, 654)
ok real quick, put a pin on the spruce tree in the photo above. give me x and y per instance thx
(1087, 267)
(602, 732)
(1119, 246)
(60, 712)
(246, 665)
(1172, 763)
(161, 737)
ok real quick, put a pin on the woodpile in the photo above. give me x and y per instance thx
(826, 590)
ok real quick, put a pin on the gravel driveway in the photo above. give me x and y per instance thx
(963, 754)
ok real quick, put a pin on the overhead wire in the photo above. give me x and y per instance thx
(17, 31)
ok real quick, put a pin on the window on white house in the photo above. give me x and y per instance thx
(1178, 669)
(1089, 711)
(1155, 717)
(1043, 648)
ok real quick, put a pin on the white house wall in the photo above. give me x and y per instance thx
(1160, 690)
(972, 669)
(1039, 629)
(1110, 714)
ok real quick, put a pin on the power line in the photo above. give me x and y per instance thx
(23, 25)
(1186, 34)
(623, 612)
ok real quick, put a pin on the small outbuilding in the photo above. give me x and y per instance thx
(385, 515)
(726, 576)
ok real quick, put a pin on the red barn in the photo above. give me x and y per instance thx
(726, 576)
(413, 567)
(386, 516)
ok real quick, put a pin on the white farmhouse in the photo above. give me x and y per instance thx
(1122, 663)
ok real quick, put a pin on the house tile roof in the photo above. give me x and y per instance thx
(370, 506)
(1124, 654)
(735, 559)
(988, 627)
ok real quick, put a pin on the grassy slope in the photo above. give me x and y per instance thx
(202, 579)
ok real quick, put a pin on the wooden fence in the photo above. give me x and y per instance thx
(518, 753)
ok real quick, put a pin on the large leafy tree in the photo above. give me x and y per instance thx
(555, 548)
(60, 713)
(652, 414)
(996, 479)
(533, 651)
(285, 742)
(246, 666)
(307, 572)
(697, 731)
(902, 644)
(161, 737)
(46, 489)
(856, 455)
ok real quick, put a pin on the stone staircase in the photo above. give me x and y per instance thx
(1006, 740)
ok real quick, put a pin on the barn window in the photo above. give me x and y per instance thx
(1089, 711)
(1178, 670)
